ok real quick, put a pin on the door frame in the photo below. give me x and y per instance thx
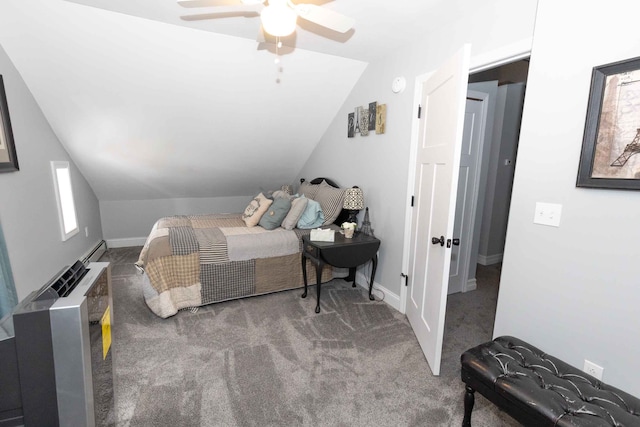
(507, 54)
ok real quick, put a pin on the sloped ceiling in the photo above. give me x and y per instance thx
(153, 106)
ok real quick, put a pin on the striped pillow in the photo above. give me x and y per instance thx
(331, 200)
(310, 190)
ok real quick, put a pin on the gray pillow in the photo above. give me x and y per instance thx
(298, 206)
(273, 217)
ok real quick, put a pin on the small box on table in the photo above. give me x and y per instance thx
(322, 235)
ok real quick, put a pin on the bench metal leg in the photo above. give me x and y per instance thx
(469, 399)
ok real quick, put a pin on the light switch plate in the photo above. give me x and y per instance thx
(547, 214)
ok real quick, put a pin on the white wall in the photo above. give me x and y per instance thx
(572, 290)
(380, 163)
(28, 209)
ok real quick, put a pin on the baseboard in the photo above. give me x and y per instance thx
(389, 297)
(472, 285)
(94, 253)
(489, 259)
(126, 243)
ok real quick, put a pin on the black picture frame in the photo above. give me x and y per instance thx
(8, 156)
(612, 129)
(351, 125)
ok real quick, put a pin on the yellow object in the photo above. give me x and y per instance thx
(106, 332)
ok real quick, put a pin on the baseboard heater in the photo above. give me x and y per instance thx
(95, 253)
(55, 357)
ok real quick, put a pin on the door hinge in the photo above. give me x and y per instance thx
(406, 279)
(419, 110)
(412, 201)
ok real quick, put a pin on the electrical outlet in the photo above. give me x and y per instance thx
(547, 214)
(593, 369)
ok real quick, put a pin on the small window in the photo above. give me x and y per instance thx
(64, 197)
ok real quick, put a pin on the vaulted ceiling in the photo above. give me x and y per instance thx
(152, 105)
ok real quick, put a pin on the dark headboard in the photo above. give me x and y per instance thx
(317, 181)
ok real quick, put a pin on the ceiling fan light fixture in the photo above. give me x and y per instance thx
(278, 19)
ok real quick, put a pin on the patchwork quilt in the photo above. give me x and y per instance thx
(189, 261)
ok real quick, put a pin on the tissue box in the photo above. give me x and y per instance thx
(320, 235)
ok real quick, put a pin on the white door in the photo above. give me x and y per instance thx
(467, 195)
(435, 189)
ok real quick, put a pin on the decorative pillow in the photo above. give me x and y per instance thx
(256, 208)
(298, 206)
(273, 217)
(309, 190)
(331, 200)
(312, 217)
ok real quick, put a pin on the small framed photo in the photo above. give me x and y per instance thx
(351, 125)
(372, 115)
(8, 157)
(610, 155)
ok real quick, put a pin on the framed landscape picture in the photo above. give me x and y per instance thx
(8, 157)
(610, 155)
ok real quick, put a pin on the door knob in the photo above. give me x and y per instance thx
(435, 240)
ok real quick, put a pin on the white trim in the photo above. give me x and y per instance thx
(501, 56)
(126, 243)
(489, 259)
(504, 55)
(389, 297)
(472, 285)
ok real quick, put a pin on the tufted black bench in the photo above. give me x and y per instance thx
(540, 390)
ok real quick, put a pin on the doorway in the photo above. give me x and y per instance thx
(498, 163)
(470, 316)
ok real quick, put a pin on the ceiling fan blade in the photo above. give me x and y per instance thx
(224, 11)
(327, 18)
(217, 3)
(261, 36)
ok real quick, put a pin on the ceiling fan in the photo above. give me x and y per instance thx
(279, 17)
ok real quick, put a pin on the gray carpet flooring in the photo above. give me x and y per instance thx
(272, 361)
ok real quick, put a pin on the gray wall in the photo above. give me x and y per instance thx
(572, 290)
(379, 164)
(128, 222)
(28, 210)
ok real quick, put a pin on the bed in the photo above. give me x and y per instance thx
(193, 260)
